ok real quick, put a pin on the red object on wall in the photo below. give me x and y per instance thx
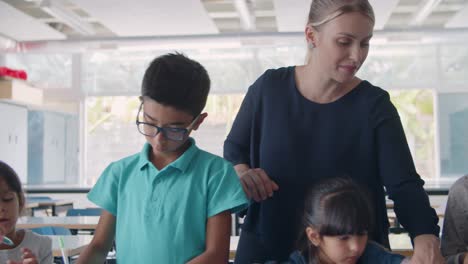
(17, 74)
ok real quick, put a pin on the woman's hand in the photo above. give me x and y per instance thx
(427, 250)
(256, 183)
(28, 258)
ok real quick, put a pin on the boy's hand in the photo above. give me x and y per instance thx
(28, 258)
(257, 185)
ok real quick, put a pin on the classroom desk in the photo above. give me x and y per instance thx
(401, 244)
(233, 246)
(31, 205)
(390, 205)
(73, 245)
(70, 222)
(34, 204)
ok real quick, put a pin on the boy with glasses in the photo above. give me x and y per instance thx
(172, 202)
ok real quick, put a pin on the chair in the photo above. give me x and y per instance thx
(52, 231)
(84, 212)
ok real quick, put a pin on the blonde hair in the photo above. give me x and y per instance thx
(323, 11)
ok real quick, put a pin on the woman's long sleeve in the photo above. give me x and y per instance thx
(398, 173)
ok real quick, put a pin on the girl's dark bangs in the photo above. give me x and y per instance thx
(345, 214)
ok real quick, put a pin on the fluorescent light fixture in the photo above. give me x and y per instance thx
(57, 10)
(245, 13)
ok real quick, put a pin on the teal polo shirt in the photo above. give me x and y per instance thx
(162, 214)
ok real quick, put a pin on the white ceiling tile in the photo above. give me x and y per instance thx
(382, 10)
(291, 15)
(150, 17)
(459, 20)
(21, 27)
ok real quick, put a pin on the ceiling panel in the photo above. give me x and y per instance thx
(150, 17)
(382, 10)
(291, 15)
(459, 20)
(21, 27)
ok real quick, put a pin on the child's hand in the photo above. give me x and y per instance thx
(28, 258)
(465, 259)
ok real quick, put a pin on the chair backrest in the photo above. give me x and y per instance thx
(52, 231)
(84, 212)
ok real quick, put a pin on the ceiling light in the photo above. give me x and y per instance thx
(245, 11)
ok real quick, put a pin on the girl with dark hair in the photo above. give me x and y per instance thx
(336, 222)
(25, 246)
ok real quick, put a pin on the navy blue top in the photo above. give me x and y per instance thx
(297, 142)
(373, 254)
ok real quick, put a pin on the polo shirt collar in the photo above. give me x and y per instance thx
(181, 163)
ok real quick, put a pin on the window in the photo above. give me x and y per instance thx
(416, 110)
(453, 125)
(112, 134)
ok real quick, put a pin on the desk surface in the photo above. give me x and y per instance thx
(73, 245)
(70, 222)
(31, 205)
(52, 202)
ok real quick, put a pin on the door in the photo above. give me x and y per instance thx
(13, 138)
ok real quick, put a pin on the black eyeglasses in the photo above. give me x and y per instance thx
(172, 133)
